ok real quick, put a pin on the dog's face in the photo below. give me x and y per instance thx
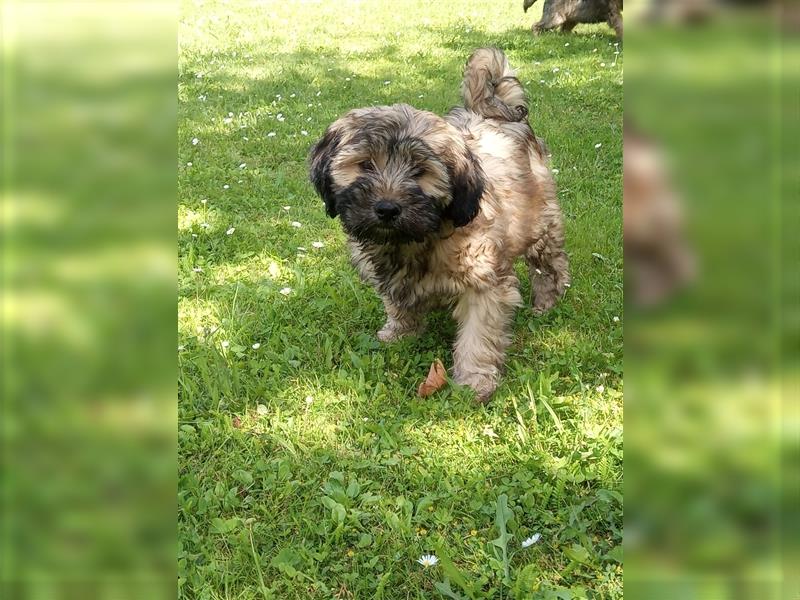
(395, 174)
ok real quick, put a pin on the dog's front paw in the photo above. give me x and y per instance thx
(393, 330)
(484, 385)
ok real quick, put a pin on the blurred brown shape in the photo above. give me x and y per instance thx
(658, 260)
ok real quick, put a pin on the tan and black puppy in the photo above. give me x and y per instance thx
(437, 209)
(566, 14)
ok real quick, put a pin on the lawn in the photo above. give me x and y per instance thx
(308, 466)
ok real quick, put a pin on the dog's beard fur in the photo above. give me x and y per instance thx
(420, 216)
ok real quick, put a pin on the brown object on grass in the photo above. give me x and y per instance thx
(436, 379)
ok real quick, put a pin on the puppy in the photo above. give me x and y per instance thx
(568, 13)
(436, 210)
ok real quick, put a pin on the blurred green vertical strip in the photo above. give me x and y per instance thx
(789, 182)
(89, 367)
(703, 404)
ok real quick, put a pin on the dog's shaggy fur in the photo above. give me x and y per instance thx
(437, 209)
(566, 14)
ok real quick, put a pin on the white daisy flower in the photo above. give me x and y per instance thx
(202, 97)
(597, 145)
(387, 82)
(195, 141)
(556, 69)
(181, 347)
(317, 244)
(556, 171)
(286, 291)
(204, 201)
(602, 64)
(227, 120)
(600, 389)
(226, 187)
(567, 44)
(347, 79)
(296, 224)
(421, 96)
(197, 269)
(271, 134)
(531, 540)
(301, 249)
(261, 409)
(243, 165)
(280, 117)
(230, 114)
(309, 399)
(427, 560)
(188, 164)
(194, 235)
(286, 207)
(225, 343)
(230, 231)
(303, 132)
(318, 93)
(615, 319)
(256, 346)
(308, 119)
(292, 95)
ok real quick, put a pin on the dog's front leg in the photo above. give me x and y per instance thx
(400, 322)
(484, 318)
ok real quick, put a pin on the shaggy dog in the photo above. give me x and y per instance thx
(568, 13)
(437, 209)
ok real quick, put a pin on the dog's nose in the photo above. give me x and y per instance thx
(386, 210)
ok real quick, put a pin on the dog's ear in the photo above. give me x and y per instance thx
(467, 183)
(320, 166)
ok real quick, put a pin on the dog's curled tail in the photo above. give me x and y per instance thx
(491, 88)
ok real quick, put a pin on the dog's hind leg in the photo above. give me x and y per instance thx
(548, 267)
(615, 19)
(400, 322)
(484, 319)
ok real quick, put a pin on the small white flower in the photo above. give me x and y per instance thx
(387, 82)
(602, 64)
(261, 409)
(597, 145)
(197, 269)
(567, 44)
(256, 346)
(227, 120)
(204, 201)
(286, 207)
(230, 114)
(301, 249)
(278, 96)
(317, 244)
(194, 235)
(318, 93)
(243, 165)
(230, 231)
(595, 50)
(556, 69)
(421, 96)
(309, 399)
(308, 120)
(531, 540)
(309, 105)
(541, 81)
(296, 224)
(286, 291)
(303, 132)
(556, 171)
(427, 560)
(226, 187)
(188, 164)
(347, 79)
(280, 118)
(271, 134)
(489, 432)
(245, 138)
(566, 285)
(225, 343)
(538, 272)
(202, 97)
(600, 389)
(292, 95)
(195, 141)
(615, 319)
(181, 347)
(239, 180)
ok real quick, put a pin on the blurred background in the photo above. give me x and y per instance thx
(88, 404)
(711, 291)
(711, 215)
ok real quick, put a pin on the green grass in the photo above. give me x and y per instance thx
(308, 466)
